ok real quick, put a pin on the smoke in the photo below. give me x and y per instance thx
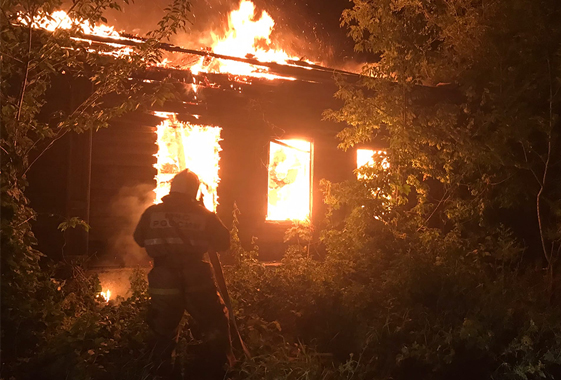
(126, 208)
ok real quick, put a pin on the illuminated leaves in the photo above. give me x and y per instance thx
(53, 83)
(174, 20)
(465, 97)
(73, 222)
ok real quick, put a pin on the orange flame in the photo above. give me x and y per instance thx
(187, 146)
(61, 20)
(246, 36)
(289, 180)
(106, 295)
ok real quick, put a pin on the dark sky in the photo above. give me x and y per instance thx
(306, 28)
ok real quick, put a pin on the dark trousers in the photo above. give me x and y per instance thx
(178, 287)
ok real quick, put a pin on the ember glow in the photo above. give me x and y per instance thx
(247, 36)
(187, 146)
(289, 193)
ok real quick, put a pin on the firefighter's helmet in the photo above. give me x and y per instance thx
(185, 182)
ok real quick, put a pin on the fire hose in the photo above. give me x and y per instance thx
(222, 288)
(219, 275)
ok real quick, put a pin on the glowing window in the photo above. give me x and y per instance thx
(374, 158)
(367, 157)
(188, 146)
(289, 193)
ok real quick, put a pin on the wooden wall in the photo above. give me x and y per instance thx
(108, 177)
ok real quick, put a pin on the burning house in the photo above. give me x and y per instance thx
(249, 125)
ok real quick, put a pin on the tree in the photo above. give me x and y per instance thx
(467, 97)
(33, 61)
(454, 238)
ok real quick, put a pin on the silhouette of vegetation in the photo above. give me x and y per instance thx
(444, 265)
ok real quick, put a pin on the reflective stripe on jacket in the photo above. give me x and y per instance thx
(180, 226)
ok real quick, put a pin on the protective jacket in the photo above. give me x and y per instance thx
(176, 234)
(181, 228)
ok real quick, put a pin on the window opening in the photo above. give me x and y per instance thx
(289, 190)
(188, 146)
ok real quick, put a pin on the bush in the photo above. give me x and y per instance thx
(83, 337)
(427, 305)
(388, 305)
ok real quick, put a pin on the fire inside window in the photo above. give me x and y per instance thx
(188, 146)
(289, 193)
(373, 158)
(367, 157)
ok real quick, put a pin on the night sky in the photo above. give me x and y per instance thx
(307, 29)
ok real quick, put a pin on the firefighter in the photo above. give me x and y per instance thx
(176, 234)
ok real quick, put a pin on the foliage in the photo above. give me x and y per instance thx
(39, 67)
(174, 20)
(87, 337)
(466, 97)
(431, 268)
(398, 307)
(73, 222)
(426, 313)
(443, 251)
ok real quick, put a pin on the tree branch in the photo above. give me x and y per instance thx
(5, 151)
(548, 257)
(442, 200)
(11, 57)
(24, 84)
(528, 162)
(84, 106)
(43, 152)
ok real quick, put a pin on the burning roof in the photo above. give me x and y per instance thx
(244, 52)
(243, 55)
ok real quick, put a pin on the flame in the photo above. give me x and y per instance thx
(61, 20)
(289, 180)
(187, 146)
(246, 36)
(106, 295)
